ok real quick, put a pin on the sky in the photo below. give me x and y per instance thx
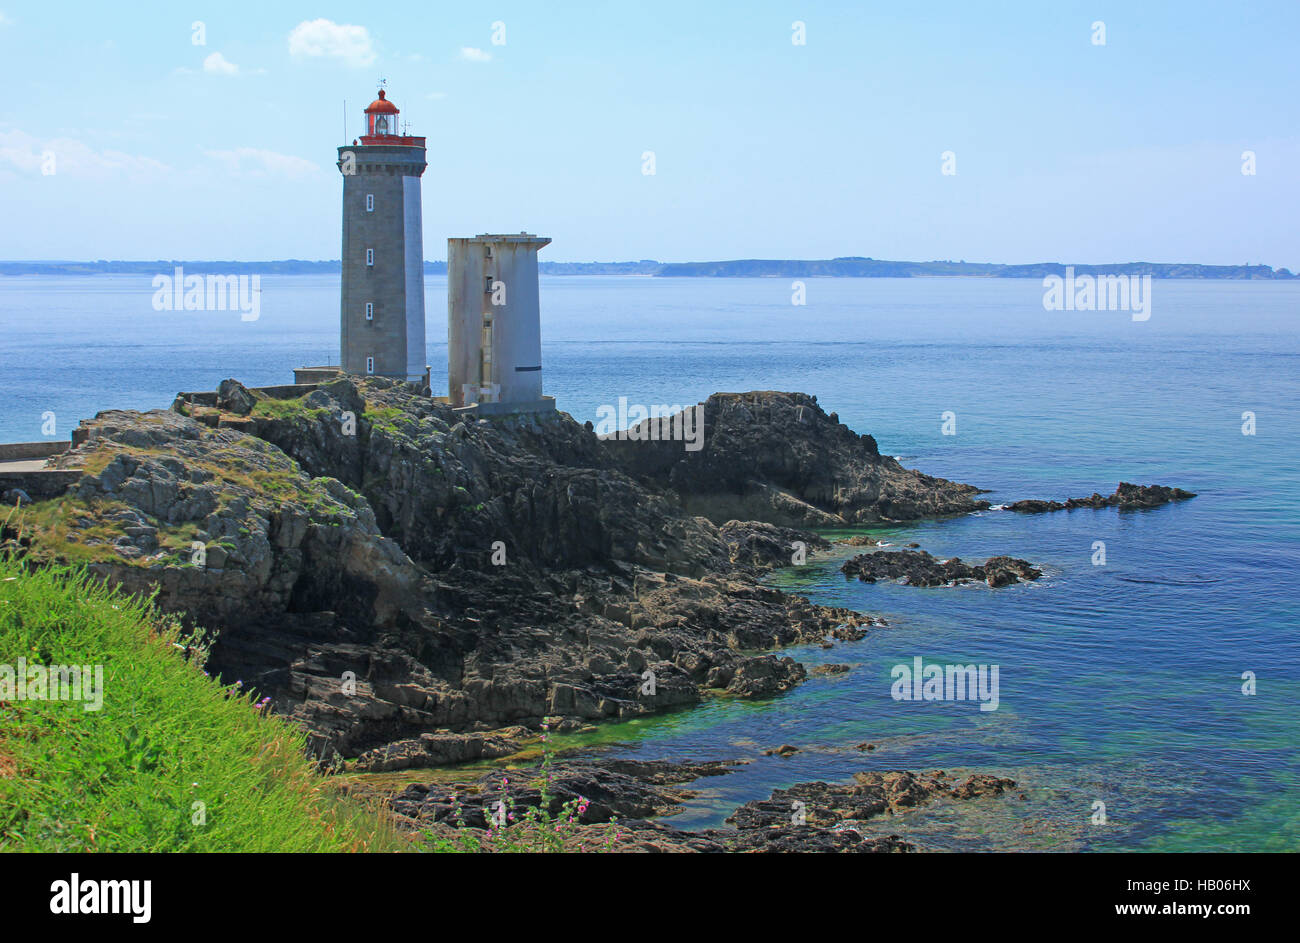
(209, 130)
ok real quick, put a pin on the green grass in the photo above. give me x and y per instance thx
(387, 418)
(72, 530)
(172, 761)
(293, 408)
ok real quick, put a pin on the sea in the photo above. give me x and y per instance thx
(1149, 694)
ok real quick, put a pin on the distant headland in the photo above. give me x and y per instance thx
(847, 267)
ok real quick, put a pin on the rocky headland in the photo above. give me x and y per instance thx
(417, 590)
(778, 457)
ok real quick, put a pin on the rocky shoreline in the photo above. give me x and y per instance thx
(406, 585)
(615, 801)
(417, 590)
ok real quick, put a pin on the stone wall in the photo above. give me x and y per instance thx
(38, 485)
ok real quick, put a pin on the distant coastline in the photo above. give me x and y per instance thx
(848, 267)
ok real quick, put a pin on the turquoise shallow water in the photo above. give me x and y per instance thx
(1118, 683)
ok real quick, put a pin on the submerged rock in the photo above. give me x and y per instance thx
(785, 749)
(871, 794)
(860, 540)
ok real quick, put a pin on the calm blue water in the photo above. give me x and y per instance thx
(1118, 683)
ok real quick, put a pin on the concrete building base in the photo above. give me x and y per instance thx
(544, 405)
(317, 376)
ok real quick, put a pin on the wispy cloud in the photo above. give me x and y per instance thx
(217, 64)
(27, 154)
(474, 54)
(253, 162)
(323, 38)
(4, 20)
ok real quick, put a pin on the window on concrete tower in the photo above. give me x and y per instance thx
(370, 310)
(370, 202)
(370, 365)
(370, 256)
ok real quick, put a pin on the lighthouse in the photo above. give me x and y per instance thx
(494, 331)
(382, 298)
(494, 334)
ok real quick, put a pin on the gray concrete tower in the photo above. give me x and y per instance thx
(382, 299)
(494, 329)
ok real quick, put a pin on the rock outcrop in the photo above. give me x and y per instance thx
(870, 795)
(609, 788)
(1127, 497)
(408, 585)
(234, 397)
(918, 568)
(778, 457)
(808, 817)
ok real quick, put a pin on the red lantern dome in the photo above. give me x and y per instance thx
(382, 104)
(381, 124)
(381, 117)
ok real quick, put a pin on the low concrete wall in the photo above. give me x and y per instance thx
(199, 399)
(19, 451)
(316, 374)
(285, 391)
(288, 391)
